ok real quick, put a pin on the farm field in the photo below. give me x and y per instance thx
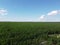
(29, 33)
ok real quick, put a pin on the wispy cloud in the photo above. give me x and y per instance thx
(55, 12)
(42, 17)
(3, 12)
(50, 14)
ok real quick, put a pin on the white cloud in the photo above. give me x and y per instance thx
(55, 12)
(49, 16)
(3, 12)
(42, 17)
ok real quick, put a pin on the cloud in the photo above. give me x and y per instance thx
(46, 17)
(3, 12)
(42, 17)
(55, 12)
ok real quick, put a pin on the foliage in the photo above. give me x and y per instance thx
(29, 33)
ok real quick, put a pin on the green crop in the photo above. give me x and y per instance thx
(29, 33)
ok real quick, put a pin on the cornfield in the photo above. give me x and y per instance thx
(29, 33)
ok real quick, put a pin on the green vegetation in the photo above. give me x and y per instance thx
(29, 33)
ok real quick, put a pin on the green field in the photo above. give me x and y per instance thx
(29, 33)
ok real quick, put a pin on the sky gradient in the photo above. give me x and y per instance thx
(30, 10)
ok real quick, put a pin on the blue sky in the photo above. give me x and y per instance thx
(29, 10)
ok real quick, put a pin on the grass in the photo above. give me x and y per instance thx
(29, 33)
